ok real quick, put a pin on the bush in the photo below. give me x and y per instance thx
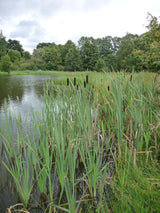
(60, 68)
(99, 65)
(6, 64)
(27, 66)
(14, 55)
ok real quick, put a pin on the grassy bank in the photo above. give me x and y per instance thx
(95, 149)
(31, 72)
(95, 77)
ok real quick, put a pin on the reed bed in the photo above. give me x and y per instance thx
(92, 150)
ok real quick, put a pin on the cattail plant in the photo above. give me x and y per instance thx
(81, 153)
(67, 81)
(74, 81)
(86, 79)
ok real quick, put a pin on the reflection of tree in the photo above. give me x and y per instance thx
(18, 86)
(39, 87)
(39, 90)
(10, 87)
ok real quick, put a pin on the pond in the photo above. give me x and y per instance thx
(22, 94)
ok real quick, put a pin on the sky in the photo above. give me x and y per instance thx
(34, 21)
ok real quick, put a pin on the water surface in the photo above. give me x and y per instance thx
(22, 95)
(23, 91)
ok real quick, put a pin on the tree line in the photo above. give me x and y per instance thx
(131, 52)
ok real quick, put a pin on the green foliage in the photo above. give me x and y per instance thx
(111, 62)
(108, 45)
(69, 44)
(63, 49)
(52, 58)
(126, 47)
(60, 68)
(83, 159)
(14, 55)
(24, 65)
(5, 63)
(43, 45)
(73, 60)
(148, 51)
(99, 65)
(136, 191)
(3, 45)
(26, 55)
(37, 59)
(105, 46)
(89, 52)
(14, 45)
(131, 52)
(133, 63)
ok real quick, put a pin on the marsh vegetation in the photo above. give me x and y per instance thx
(93, 149)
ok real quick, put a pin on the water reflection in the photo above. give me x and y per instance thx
(22, 94)
(10, 86)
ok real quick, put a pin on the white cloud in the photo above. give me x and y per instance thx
(34, 21)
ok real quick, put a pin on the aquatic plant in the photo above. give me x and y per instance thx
(91, 148)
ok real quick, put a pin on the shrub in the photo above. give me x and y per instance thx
(5, 64)
(60, 68)
(99, 65)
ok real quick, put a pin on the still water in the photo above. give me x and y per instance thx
(22, 94)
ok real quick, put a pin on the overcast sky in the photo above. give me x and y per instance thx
(35, 21)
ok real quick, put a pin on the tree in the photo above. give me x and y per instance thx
(3, 45)
(115, 44)
(126, 47)
(69, 44)
(26, 55)
(44, 44)
(99, 65)
(5, 63)
(63, 50)
(108, 47)
(52, 58)
(148, 51)
(111, 62)
(14, 55)
(37, 59)
(73, 60)
(15, 45)
(89, 52)
(104, 46)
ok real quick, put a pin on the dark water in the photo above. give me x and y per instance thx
(22, 93)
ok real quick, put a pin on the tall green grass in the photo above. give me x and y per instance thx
(92, 149)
